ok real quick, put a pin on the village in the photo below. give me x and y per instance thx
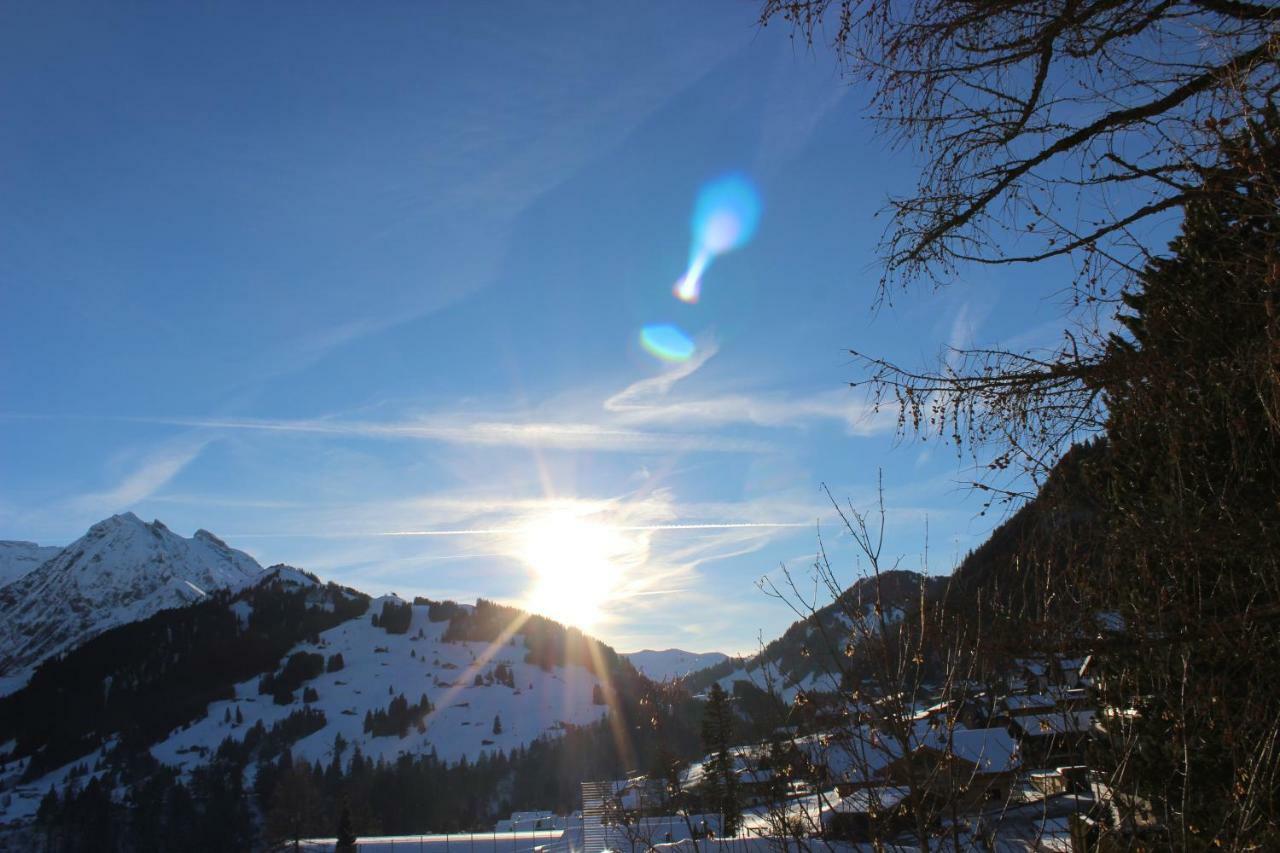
(1002, 767)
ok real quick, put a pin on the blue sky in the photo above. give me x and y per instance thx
(309, 277)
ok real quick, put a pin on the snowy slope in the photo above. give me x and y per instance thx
(671, 664)
(121, 570)
(19, 558)
(378, 667)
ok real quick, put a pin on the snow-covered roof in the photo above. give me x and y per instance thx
(1029, 701)
(989, 750)
(1055, 723)
(864, 800)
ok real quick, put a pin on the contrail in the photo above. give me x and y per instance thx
(483, 531)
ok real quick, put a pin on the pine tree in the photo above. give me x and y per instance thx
(295, 806)
(346, 835)
(497, 725)
(720, 788)
(1193, 471)
(239, 716)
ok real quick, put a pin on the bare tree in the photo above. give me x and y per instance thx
(902, 672)
(1046, 127)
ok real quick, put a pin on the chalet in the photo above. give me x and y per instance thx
(1053, 735)
(866, 814)
(973, 766)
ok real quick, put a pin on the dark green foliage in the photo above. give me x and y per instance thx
(336, 663)
(1191, 490)
(163, 671)
(296, 806)
(720, 782)
(440, 611)
(395, 617)
(549, 643)
(412, 794)
(346, 836)
(397, 719)
(497, 725)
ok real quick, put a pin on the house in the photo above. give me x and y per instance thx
(973, 767)
(866, 814)
(1053, 735)
(854, 759)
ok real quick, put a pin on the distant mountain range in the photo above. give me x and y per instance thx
(134, 635)
(672, 664)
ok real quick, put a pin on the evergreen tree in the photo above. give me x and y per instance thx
(720, 788)
(346, 835)
(1191, 480)
(295, 806)
(497, 725)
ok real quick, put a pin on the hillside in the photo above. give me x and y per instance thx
(802, 659)
(1020, 574)
(285, 664)
(120, 571)
(672, 664)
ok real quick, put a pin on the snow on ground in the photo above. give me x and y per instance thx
(380, 666)
(672, 663)
(767, 677)
(120, 571)
(20, 558)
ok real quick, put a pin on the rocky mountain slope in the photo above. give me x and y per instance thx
(121, 570)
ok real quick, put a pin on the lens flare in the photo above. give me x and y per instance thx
(725, 216)
(666, 342)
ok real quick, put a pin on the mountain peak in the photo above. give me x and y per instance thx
(206, 536)
(123, 569)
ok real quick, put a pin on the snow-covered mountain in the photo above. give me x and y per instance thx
(20, 558)
(289, 662)
(483, 697)
(121, 570)
(802, 658)
(670, 664)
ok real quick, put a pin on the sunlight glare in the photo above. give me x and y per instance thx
(577, 564)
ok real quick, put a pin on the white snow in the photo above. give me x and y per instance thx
(120, 571)
(671, 664)
(20, 558)
(461, 724)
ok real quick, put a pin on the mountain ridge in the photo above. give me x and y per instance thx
(121, 570)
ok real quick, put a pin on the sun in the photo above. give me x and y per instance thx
(577, 565)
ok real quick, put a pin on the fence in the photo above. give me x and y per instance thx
(551, 840)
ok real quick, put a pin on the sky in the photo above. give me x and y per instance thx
(362, 290)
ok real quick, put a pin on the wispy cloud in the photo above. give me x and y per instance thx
(545, 434)
(649, 401)
(154, 472)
